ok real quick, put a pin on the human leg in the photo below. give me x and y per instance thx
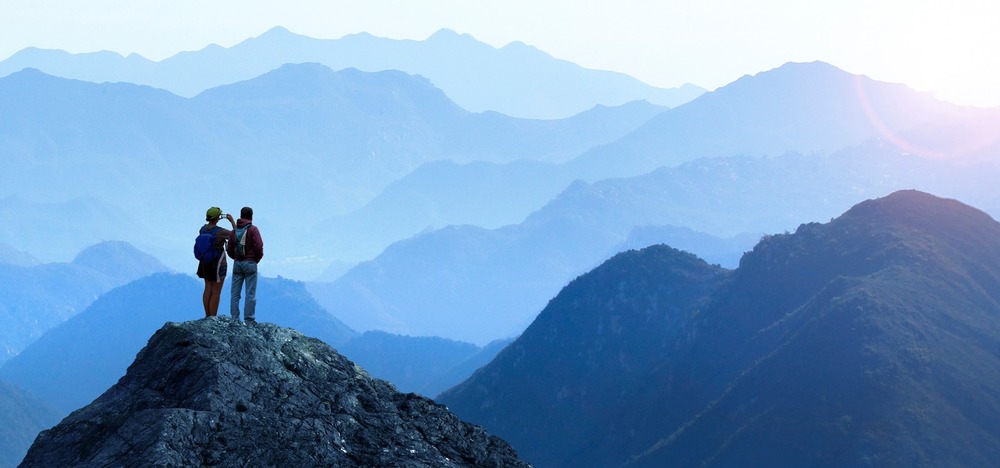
(206, 297)
(250, 308)
(235, 290)
(213, 307)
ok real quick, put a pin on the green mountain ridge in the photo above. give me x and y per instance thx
(869, 340)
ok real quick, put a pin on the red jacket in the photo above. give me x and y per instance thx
(254, 244)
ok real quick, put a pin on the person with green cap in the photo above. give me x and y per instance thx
(213, 270)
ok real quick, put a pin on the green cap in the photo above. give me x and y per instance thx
(213, 213)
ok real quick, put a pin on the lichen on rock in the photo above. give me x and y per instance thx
(218, 392)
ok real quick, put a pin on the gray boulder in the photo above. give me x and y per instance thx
(219, 392)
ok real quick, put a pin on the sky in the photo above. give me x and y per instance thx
(951, 48)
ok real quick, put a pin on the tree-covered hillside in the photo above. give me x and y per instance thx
(869, 340)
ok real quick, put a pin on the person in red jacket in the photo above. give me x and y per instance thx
(246, 248)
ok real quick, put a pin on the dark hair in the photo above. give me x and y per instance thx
(246, 213)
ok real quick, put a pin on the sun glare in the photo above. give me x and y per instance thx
(948, 48)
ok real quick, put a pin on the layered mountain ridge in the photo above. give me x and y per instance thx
(94, 348)
(868, 340)
(517, 79)
(22, 416)
(336, 139)
(807, 108)
(36, 297)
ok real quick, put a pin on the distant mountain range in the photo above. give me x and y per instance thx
(69, 226)
(37, 297)
(869, 339)
(383, 156)
(811, 109)
(462, 226)
(807, 108)
(477, 285)
(335, 139)
(119, 261)
(517, 80)
(40, 305)
(461, 278)
(473, 284)
(16, 257)
(480, 193)
(427, 365)
(22, 416)
(93, 348)
(298, 124)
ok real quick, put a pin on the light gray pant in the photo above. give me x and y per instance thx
(243, 270)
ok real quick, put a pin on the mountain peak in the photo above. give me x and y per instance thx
(119, 259)
(277, 31)
(816, 351)
(217, 391)
(13, 256)
(906, 231)
(445, 34)
(916, 207)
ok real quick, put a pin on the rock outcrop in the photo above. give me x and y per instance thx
(219, 392)
(94, 348)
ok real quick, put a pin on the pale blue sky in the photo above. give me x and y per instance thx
(950, 47)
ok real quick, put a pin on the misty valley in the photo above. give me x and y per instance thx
(492, 257)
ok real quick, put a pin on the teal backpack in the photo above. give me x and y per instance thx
(241, 240)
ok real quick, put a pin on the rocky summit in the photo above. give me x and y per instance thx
(217, 392)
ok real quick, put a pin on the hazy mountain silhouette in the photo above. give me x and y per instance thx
(22, 416)
(517, 79)
(92, 349)
(35, 298)
(477, 285)
(714, 250)
(440, 194)
(12, 256)
(799, 107)
(218, 392)
(728, 196)
(335, 139)
(59, 230)
(119, 261)
(495, 281)
(411, 363)
(480, 193)
(338, 139)
(812, 109)
(466, 368)
(868, 340)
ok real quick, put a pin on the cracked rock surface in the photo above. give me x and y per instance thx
(217, 392)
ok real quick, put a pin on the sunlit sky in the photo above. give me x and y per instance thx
(949, 47)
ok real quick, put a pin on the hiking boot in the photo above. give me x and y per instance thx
(251, 322)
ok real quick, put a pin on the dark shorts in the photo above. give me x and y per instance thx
(214, 271)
